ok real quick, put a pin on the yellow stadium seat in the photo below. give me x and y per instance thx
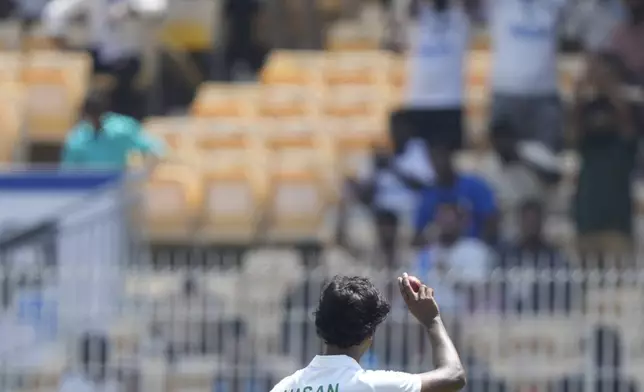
(288, 101)
(355, 101)
(354, 140)
(10, 67)
(225, 145)
(361, 68)
(173, 198)
(294, 145)
(178, 135)
(294, 67)
(232, 205)
(11, 101)
(297, 207)
(55, 85)
(351, 36)
(225, 100)
(398, 72)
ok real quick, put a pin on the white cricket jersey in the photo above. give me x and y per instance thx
(525, 39)
(114, 40)
(438, 45)
(340, 373)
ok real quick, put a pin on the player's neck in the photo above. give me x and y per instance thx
(349, 352)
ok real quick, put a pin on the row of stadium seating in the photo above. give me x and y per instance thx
(44, 88)
(40, 94)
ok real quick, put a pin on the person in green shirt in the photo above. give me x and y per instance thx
(607, 145)
(105, 140)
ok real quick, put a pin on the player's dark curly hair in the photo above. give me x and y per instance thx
(349, 311)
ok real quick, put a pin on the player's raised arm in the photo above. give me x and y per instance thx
(449, 374)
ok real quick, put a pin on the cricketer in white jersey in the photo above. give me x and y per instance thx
(349, 312)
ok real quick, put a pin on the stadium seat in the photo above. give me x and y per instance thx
(350, 35)
(153, 373)
(535, 348)
(233, 203)
(195, 374)
(354, 139)
(178, 135)
(357, 68)
(613, 304)
(173, 198)
(11, 116)
(263, 304)
(153, 286)
(10, 67)
(56, 84)
(297, 144)
(220, 100)
(398, 71)
(336, 261)
(297, 205)
(225, 144)
(45, 376)
(224, 285)
(288, 101)
(294, 67)
(356, 101)
(125, 338)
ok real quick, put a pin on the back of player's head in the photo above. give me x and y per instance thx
(349, 311)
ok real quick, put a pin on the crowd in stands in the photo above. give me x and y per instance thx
(501, 207)
(471, 221)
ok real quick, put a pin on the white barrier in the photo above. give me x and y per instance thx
(242, 326)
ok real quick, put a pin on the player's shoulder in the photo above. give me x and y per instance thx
(285, 383)
(390, 381)
(122, 124)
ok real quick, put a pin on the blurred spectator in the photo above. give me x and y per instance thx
(103, 139)
(451, 187)
(513, 179)
(454, 265)
(593, 22)
(606, 142)
(117, 31)
(530, 249)
(244, 51)
(626, 45)
(525, 91)
(93, 375)
(438, 41)
(390, 185)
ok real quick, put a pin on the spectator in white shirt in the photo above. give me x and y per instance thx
(117, 31)
(525, 39)
(389, 185)
(93, 377)
(593, 22)
(454, 263)
(437, 40)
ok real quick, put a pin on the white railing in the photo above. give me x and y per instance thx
(246, 324)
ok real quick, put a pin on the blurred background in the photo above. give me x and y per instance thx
(180, 177)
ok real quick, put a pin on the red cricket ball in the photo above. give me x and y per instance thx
(415, 283)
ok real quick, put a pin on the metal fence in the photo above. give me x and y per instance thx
(214, 319)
